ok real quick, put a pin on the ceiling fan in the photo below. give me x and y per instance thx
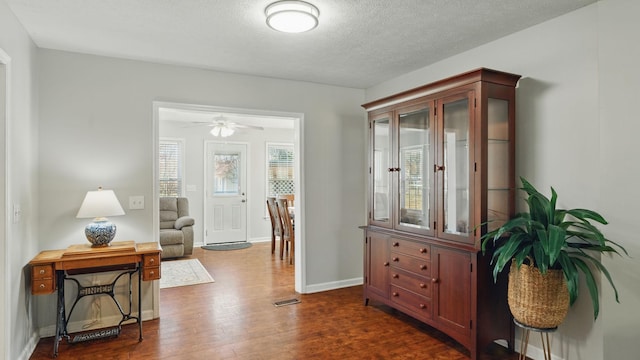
(224, 128)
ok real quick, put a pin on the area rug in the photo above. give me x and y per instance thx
(227, 246)
(182, 273)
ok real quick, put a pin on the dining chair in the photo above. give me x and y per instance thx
(289, 198)
(287, 229)
(276, 223)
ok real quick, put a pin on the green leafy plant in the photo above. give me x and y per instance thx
(554, 239)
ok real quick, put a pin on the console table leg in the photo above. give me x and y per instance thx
(140, 301)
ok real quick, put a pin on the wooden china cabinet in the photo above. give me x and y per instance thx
(441, 164)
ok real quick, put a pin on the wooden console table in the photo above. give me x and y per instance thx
(50, 269)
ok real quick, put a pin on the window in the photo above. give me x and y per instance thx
(279, 169)
(171, 167)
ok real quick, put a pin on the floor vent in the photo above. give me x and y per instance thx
(286, 302)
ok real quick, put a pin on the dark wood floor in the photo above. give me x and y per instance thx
(234, 318)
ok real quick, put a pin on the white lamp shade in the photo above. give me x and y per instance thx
(100, 203)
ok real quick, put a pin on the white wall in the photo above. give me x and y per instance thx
(96, 113)
(259, 224)
(560, 144)
(619, 56)
(16, 309)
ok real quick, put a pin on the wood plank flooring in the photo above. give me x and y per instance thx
(234, 318)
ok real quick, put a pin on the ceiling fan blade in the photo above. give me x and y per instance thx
(243, 126)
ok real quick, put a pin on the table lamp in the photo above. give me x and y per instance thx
(98, 205)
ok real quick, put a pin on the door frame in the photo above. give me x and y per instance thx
(207, 143)
(300, 277)
(5, 223)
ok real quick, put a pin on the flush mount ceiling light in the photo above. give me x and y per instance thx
(292, 16)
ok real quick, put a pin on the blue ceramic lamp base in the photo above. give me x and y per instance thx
(100, 232)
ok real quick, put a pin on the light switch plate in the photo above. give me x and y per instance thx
(136, 202)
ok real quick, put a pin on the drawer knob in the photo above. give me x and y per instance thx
(423, 267)
(423, 250)
(386, 263)
(422, 306)
(152, 260)
(396, 259)
(41, 271)
(395, 294)
(152, 272)
(434, 280)
(396, 244)
(423, 285)
(41, 286)
(395, 276)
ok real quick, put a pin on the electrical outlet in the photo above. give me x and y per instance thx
(136, 202)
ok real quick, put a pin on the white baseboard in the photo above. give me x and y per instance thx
(309, 289)
(30, 348)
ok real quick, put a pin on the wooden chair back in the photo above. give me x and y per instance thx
(288, 233)
(276, 222)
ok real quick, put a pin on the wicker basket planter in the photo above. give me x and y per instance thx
(536, 300)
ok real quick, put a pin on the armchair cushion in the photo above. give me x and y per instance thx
(183, 221)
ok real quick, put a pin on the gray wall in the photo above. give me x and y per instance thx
(18, 241)
(576, 131)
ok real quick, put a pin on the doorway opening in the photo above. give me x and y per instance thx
(217, 137)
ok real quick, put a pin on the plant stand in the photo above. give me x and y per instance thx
(544, 336)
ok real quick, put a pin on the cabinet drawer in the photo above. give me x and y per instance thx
(42, 286)
(420, 305)
(417, 284)
(151, 260)
(151, 273)
(418, 266)
(411, 248)
(39, 272)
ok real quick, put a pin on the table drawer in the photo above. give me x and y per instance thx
(42, 286)
(151, 260)
(419, 305)
(39, 272)
(151, 273)
(415, 265)
(412, 248)
(417, 284)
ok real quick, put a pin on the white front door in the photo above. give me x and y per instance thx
(226, 197)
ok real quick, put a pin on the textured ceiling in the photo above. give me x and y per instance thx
(359, 43)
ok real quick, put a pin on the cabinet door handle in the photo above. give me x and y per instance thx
(395, 276)
(423, 285)
(386, 263)
(395, 259)
(390, 169)
(434, 280)
(437, 168)
(423, 251)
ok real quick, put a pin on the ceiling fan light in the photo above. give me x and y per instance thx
(215, 131)
(292, 16)
(226, 131)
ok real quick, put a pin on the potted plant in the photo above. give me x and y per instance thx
(546, 249)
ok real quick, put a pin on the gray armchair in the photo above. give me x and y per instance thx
(176, 227)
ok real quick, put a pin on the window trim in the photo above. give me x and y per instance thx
(181, 162)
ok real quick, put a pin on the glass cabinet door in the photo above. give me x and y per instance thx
(499, 188)
(381, 171)
(454, 184)
(415, 164)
